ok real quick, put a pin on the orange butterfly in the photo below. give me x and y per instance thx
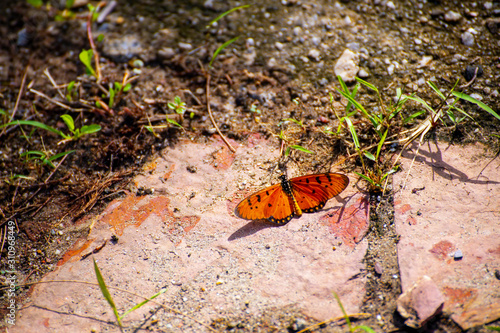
(280, 202)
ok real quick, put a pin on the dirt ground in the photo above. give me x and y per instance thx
(280, 68)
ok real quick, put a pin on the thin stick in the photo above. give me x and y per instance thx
(212, 117)
(94, 49)
(64, 106)
(361, 315)
(23, 82)
(57, 167)
(3, 240)
(47, 74)
(16, 106)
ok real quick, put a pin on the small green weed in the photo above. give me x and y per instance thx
(116, 91)
(386, 122)
(71, 93)
(177, 105)
(78, 132)
(348, 321)
(43, 157)
(107, 296)
(229, 42)
(68, 120)
(86, 58)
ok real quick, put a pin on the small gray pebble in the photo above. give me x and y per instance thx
(458, 255)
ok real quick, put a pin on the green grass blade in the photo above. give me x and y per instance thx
(36, 124)
(353, 132)
(226, 13)
(346, 90)
(365, 328)
(478, 103)
(367, 84)
(462, 112)
(342, 84)
(105, 292)
(295, 121)
(297, 147)
(368, 179)
(173, 122)
(369, 155)
(355, 103)
(346, 317)
(422, 102)
(111, 97)
(32, 152)
(220, 48)
(415, 115)
(21, 177)
(436, 90)
(390, 172)
(55, 157)
(381, 143)
(143, 302)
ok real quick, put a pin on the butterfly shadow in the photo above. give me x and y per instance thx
(251, 228)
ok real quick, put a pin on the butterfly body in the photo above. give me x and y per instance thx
(279, 203)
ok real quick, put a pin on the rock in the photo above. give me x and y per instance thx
(467, 39)
(493, 25)
(314, 55)
(422, 302)
(271, 63)
(425, 61)
(124, 48)
(363, 73)
(347, 66)
(476, 96)
(316, 40)
(249, 56)
(185, 46)
(166, 53)
(378, 268)
(390, 69)
(470, 71)
(452, 16)
(458, 255)
(298, 325)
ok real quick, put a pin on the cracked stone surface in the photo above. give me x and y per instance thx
(448, 201)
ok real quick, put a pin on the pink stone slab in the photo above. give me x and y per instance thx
(449, 200)
(186, 238)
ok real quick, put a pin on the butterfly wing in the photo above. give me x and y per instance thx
(271, 203)
(313, 191)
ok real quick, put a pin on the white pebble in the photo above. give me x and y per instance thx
(467, 39)
(451, 16)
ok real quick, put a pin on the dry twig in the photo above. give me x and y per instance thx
(212, 117)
